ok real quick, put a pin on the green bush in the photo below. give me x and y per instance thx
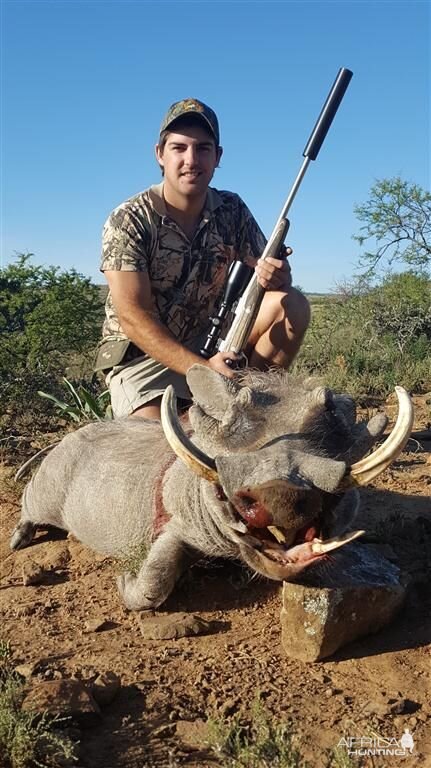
(373, 338)
(49, 320)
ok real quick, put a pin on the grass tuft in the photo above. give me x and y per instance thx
(28, 739)
(262, 743)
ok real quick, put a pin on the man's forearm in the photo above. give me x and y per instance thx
(148, 333)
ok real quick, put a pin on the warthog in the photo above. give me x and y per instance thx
(279, 493)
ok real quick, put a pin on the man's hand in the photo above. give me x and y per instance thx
(218, 362)
(274, 274)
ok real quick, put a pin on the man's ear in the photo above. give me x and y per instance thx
(159, 154)
(219, 154)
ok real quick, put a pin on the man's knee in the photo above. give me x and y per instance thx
(297, 310)
(291, 306)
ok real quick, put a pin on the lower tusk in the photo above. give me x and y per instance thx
(362, 472)
(320, 547)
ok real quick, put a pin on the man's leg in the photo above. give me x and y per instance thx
(150, 411)
(136, 388)
(279, 329)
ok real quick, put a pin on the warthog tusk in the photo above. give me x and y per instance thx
(320, 547)
(365, 470)
(190, 454)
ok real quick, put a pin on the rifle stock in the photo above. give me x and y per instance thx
(250, 301)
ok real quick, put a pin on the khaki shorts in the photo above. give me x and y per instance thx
(142, 380)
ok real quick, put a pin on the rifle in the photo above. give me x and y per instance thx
(242, 285)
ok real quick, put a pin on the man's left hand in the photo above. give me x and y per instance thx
(274, 274)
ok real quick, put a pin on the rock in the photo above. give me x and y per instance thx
(32, 573)
(105, 688)
(174, 626)
(377, 706)
(96, 624)
(58, 558)
(25, 670)
(64, 698)
(192, 734)
(318, 620)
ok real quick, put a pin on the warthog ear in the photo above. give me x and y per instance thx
(217, 396)
(364, 436)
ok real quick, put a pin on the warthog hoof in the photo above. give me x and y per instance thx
(134, 596)
(22, 535)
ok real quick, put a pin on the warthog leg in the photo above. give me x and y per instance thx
(167, 560)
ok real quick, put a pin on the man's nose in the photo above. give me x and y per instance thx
(191, 157)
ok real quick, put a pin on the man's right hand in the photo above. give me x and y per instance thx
(219, 362)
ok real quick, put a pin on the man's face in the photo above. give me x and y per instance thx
(189, 159)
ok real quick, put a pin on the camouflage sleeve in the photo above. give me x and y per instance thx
(250, 239)
(125, 242)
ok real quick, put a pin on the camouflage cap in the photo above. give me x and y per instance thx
(194, 107)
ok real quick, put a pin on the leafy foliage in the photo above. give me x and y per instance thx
(46, 318)
(397, 218)
(372, 338)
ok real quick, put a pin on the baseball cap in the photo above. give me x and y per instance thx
(192, 107)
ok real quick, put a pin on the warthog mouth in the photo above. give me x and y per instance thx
(289, 548)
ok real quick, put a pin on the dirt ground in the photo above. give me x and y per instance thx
(73, 626)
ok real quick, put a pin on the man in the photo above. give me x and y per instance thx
(166, 255)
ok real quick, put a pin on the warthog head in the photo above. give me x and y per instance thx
(285, 458)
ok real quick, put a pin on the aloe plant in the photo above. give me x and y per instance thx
(85, 406)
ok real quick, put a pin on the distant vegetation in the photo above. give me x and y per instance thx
(376, 332)
(364, 338)
(50, 322)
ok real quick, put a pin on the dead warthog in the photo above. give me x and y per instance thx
(268, 475)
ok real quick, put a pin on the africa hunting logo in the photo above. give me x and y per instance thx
(372, 746)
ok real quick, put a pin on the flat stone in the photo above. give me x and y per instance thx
(97, 624)
(318, 620)
(32, 573)
(193, 735)
(58, 558)
(63, 698)
(174, 626)
(25, 670)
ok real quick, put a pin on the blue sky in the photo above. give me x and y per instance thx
(86, 83)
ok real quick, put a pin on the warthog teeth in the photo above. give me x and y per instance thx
(320, 547)
(277, 533)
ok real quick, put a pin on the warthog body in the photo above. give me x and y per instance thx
(281, 446)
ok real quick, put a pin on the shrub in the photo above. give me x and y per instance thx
(48, 319)
(373, 338)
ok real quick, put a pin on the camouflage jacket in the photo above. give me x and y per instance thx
(187, 278)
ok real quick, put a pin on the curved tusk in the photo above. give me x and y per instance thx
(365, 470)
(193, 457)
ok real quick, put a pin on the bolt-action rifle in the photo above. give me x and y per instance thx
(242, 284)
